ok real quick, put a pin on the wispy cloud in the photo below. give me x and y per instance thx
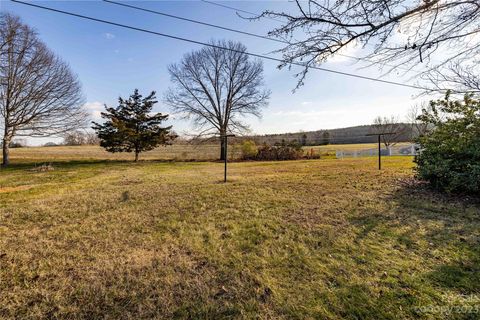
(108, 36)
(344, 54)
(94, 108)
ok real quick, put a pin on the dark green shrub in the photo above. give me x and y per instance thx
(450, 153)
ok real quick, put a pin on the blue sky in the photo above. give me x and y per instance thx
(111, 61)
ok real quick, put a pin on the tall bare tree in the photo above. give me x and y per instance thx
(217, 87)
(390, 128)
(39, 94)
(403, 33)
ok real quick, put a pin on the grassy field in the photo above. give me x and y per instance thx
(313, 239)
(80, 153)
(173, 152)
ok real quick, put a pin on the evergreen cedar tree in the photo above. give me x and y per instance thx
(131, 127)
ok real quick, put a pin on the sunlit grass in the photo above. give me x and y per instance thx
(174, 152)
(324, 239)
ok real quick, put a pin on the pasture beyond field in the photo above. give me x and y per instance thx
(325, 239)
(179, 152)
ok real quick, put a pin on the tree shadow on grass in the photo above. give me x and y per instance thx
(439, 232)
(176, 286)
(76, 164)
(435, 242)
(32, 165)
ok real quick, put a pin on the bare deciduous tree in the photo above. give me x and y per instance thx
(403, 33)
(217, 87)
(78, 138)
(39, 94)
(390, 125)
(418, 127)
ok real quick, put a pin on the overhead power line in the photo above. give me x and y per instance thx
(194, 21)
(288, 43)
(220, 47)
(240, 10)
(234, 30)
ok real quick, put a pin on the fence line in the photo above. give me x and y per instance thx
(404, 150)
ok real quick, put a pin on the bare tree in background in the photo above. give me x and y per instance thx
(80, 137)
(403, 33)
(390, 124)
(39, 94)
(418, 127)
(217, 87)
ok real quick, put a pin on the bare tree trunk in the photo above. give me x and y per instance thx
(136, 155)
(223, 132)
(6, 151)
(222, 149)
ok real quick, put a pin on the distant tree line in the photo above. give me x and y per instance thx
(80, 138)
(348, 135)
(16, 143)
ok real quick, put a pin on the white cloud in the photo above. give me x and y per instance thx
(342, 55)
(94, 108)
(108, 36)
(179, 115)
(330, 114)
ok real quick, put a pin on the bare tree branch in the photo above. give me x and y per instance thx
(39, 95)
(403, 33)
(459, 77)
(418, 127)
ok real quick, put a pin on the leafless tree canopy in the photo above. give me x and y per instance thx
(39, 94)
(217, 87)
(418, 127)
(391, 129)
(80, 137)
(403, 33)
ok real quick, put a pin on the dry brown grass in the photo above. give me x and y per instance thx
(76, 153)
(324, 239)
(174, 152)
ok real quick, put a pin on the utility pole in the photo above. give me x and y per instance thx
(379, 146)
(225, 136)
(379, 154)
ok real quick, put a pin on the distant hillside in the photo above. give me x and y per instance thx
(332, 136)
